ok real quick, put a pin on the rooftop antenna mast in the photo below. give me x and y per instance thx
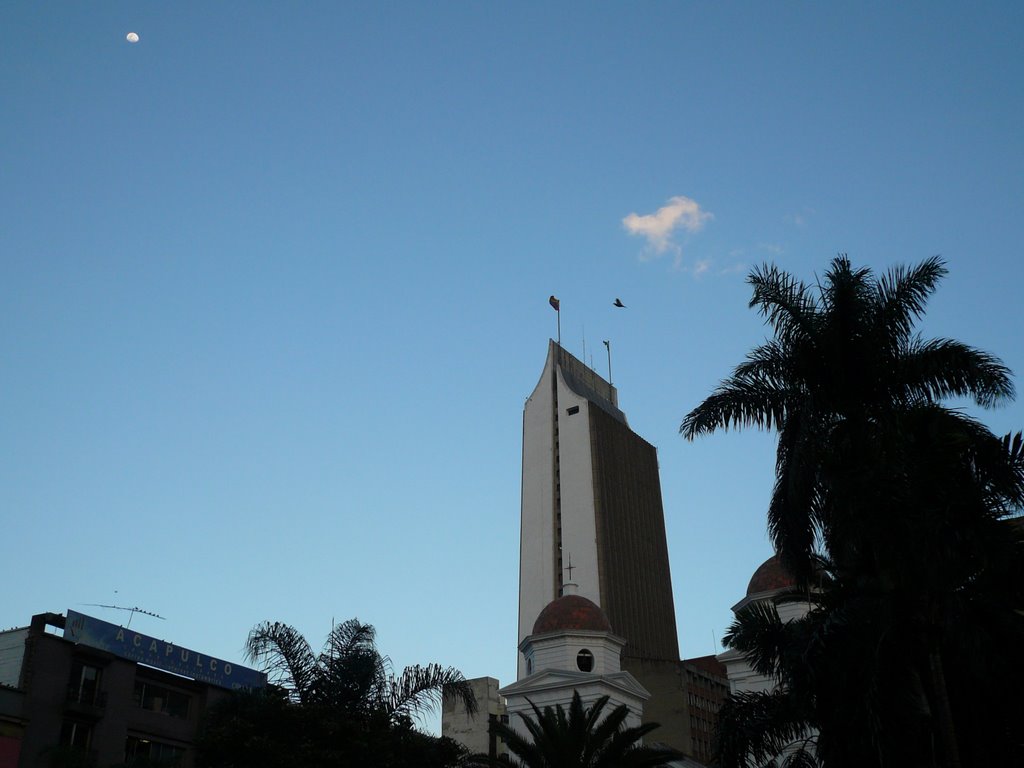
(131, 611)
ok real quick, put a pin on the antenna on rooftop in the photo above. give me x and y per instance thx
(131, 611)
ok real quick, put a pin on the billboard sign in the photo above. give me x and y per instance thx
(161, 654)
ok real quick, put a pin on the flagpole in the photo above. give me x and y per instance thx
(557, 306)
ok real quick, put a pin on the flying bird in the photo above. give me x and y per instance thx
(618, 303)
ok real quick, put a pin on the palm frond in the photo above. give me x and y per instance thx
(902, 296)
(761, 636)
(784, 301)
(422, 688)
(525, 749)
(803, 756)
(942, 368)
(349, 637)
(770, 363)
(1013, 445)
(754, 727)
(624, 749)
(285, 656)
(737, 402)
(847, 299)
(579, 737)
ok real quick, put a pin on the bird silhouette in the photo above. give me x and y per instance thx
(618, 303)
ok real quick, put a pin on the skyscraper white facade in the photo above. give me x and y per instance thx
(591, 502)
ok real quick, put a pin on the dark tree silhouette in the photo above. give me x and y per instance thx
(340, 707)
(893, 508)
(350, 675)
(579, 738)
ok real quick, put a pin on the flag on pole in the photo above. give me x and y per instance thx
(554, 303)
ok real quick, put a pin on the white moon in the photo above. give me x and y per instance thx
(132, 37)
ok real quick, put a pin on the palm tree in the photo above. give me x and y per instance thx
(339, 708)
(349, 675)
(898, 500)
(842, 365)
(581, 738)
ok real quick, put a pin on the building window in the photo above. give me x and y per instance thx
(156, 698)
(75, 734)
(84, 687)
(142, 751)
(585, 660)
(573, 411)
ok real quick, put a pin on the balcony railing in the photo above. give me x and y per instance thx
(87, 697)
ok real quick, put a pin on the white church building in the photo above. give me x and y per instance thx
(572, 649)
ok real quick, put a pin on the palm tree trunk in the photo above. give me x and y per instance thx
(943, 712)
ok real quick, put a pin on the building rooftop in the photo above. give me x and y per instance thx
(571, 612)
(770, 576)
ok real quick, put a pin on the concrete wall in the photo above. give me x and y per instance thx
(576, 478)
(559, 651)
(12, 651)
(537, 577)
(557, 522)
(472, 730)
(667, 705)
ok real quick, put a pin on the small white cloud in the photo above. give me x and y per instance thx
(701, 266)
(657, 228)
(801, 218)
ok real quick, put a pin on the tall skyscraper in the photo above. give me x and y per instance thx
(592, 514)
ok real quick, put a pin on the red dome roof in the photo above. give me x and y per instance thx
(571, 612)
(770, 577)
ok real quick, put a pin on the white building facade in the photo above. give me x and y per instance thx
(591, 500)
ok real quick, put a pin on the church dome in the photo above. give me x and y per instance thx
(571, 612)
(770, 576)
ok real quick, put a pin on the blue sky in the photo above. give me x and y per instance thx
(274, 280)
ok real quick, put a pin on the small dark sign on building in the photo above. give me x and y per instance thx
(161, 654)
